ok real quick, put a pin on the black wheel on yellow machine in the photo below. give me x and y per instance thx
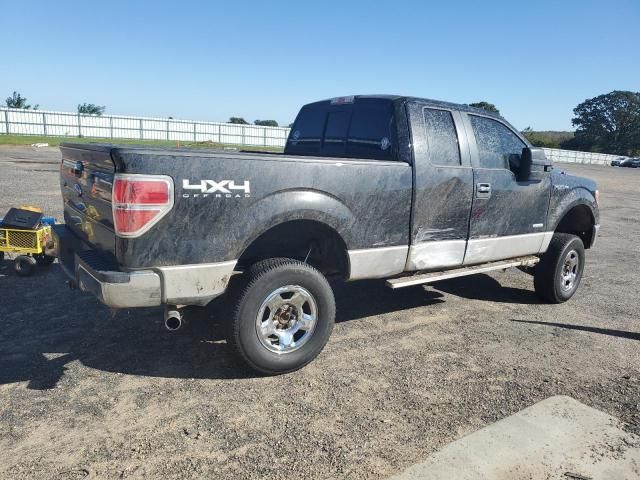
(24, 265)
(1, 256)
(43, 260)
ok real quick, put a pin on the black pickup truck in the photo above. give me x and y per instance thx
(406, 189)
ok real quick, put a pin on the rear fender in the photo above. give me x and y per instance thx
(288, 205)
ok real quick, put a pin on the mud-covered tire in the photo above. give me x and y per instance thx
(43, 260)
(558, 274)
(24, 265)
(262, 295)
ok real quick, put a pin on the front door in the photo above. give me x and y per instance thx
(508, 218)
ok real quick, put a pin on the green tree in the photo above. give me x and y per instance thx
(18, 101)
(489, 107)
(608, 123)
(547, 139)
(238, 121)
(91, 109)
(266, 123)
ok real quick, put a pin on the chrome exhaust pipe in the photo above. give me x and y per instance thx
(173, 319)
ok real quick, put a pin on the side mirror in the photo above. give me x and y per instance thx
(533, 164)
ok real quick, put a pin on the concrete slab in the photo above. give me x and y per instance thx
(558, 438)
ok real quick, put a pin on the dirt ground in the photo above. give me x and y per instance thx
(90, 393)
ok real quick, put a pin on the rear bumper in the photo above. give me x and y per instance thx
(140, 289)
(179, 285)
(88, 272)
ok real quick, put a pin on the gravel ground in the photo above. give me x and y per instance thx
(86, 392)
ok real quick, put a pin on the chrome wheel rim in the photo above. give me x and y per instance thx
(570, 270)
(286, 319)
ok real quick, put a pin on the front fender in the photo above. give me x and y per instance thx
(564, 198)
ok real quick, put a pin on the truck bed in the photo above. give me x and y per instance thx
(367, 202)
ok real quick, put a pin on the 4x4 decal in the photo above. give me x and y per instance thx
(221, 189)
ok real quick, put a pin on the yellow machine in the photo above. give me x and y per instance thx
(25, 232)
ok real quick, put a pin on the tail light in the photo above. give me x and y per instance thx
(139, 202)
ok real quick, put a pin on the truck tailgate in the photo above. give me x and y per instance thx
(86, 180)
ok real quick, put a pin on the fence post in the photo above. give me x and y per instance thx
(194, 132)
(243, 135)
(167, 129)
(141, 137)
(111, 126)
(44, 123)
(6, 122)
(264, 136)
(79, 126)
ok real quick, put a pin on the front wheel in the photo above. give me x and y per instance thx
(283, 317)
(559, 272)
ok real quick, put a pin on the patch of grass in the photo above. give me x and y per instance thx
(56, 141)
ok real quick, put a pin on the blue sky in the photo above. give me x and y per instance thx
(535, 60)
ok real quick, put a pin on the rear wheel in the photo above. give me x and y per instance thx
(24, 265)
(559, 272)
(284, 316)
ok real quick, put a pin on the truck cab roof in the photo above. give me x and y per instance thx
(363, 126)
(425, 101)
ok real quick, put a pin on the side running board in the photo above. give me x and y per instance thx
(420, 278)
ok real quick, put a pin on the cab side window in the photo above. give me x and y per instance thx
(441, 137)
(498, 147)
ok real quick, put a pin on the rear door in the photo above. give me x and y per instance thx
(508, 217)
(86, 181)
(443, 188)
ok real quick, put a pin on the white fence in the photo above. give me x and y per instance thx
(570, 156)
(65, 124)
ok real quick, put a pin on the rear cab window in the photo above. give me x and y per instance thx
(350, 127)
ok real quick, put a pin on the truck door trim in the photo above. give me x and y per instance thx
(435, 254)
(388, 261)
(377, 262)
(481, 250)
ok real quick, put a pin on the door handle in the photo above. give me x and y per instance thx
(483, 190)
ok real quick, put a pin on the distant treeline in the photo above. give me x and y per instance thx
(608, 123)
(549, 138)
